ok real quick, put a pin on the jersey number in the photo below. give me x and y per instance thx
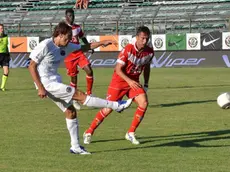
(136, 69)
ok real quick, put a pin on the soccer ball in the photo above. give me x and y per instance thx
(223, 100)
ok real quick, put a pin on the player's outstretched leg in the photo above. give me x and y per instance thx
(118, 106)
(90, 101)
(76, 105)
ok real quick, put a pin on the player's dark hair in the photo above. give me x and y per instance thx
(3, 34)
(144, 29)
(1, 24)
(62, 28)
(69, 10)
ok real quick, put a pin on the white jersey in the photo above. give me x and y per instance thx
(48, 56)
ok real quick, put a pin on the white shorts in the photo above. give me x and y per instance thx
(60, 93)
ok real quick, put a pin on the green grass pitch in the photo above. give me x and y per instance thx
(183, 131)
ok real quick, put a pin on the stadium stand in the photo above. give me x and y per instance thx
(38, 17)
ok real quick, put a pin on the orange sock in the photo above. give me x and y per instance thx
(89, 81)
(96, 122)
(139, 115)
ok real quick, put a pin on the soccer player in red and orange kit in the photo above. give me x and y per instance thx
(132, 60)
(78, 58)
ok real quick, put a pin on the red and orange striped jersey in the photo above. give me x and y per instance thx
(134, 62)
(76, 33)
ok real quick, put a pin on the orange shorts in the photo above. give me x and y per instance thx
(115, 94)
(73, 61)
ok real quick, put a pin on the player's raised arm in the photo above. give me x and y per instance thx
(84, 40)
(95, 45)
(87, 42)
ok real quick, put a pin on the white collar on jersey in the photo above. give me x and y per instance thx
(137, 49)
(134, 44)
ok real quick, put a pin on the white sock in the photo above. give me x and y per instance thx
(100, 103)
(72, 125)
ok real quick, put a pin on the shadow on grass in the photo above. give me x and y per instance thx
(160, 105)
(189, 86)
(169, 87)
(182, 103)
(180, 140)
(22, 89)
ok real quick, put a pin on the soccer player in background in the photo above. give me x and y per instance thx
(78, 58)
(45, 60)
(132, 60)
(4, 56)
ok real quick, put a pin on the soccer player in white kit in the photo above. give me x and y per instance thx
(45, 60)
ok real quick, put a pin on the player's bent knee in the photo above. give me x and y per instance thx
(143, 104)
(88, 70)
(79, 96)
(71, 112)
